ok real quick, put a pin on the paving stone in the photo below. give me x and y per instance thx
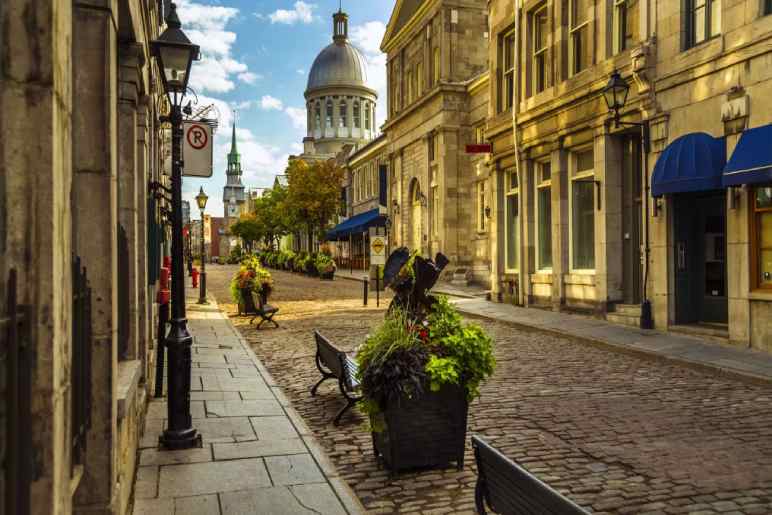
(164, 457)
(214, 396)
(283, 500)
(258, 448)
(257, 408)
(229, 429)
(257, 394)
(293, 470)
(273, 428)
(197, 505)
(146, 483)
(159, 409)
(219, 384)
(212, 477)
(153, 506)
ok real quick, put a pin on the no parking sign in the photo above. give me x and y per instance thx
(197, 149)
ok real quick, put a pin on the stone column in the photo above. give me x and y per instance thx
(608, 170)
(128, 192)
(35, 224)
(145, 297)
(95, 196)
(496, 230)
(528, 239)
(560, 241)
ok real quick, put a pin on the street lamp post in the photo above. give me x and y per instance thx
(615, 94)
(175, 54)
(201, 199)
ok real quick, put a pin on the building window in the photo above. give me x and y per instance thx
(481, 206)
(539, 31)
(703, 18)
(543, 181)
(367, 117)
(435, 211)
(343, 114)
(579, 35)
(626, 23)
(512, 226)
(767, 7)
(432, 143)
(419, 79)
(479, 134)
(409, 80)
(329, 114)
(507, 85)
(762, 236)
(318, 115)
(357, 115)
(436, 66)
(583, 211)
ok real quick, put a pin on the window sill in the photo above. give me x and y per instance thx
(761, 294)
(128, 381)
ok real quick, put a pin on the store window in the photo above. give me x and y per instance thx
(583, 211)
(481, 206)
(626, 24)
(539, 31)
(512, 217)
(543, 182)
(579, 35)
(762, 236)
(703, 21)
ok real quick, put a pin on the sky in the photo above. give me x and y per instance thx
(256, 55)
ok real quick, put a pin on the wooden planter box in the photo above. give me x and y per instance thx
(426, 432)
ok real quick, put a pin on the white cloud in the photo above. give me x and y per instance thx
(206, 26)
(297, 116)
(270, 103)
(301, 71)
(367, 37)
(301, 12)
(296, 148)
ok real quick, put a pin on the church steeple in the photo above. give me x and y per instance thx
(340, 27)
(234, 157)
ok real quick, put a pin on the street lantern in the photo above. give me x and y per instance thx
(175, 54)
(201, 199)
(615, 93)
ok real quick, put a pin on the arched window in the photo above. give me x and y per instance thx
(367, 117)
(329, 114)
(343, 114)
(357, 115)
(318, 116)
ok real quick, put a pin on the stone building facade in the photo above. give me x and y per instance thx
(74, 199)
(588, 213)
(436, 50)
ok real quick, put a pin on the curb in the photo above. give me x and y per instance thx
(702, 366)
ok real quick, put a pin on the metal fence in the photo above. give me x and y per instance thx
(15, 393)
(81, 360)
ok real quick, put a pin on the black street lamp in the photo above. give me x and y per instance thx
(615, 94)
(201, 199)
(175, 53)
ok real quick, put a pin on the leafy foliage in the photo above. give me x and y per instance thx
(324, 263)
(251, 276)
(313, 194)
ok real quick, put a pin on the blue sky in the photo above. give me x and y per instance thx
(255, 59)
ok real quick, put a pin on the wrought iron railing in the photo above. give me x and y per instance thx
(81, 360)
(15, 394)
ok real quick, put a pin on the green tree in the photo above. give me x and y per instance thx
(248, 229)
(313, 194)
(272, 215)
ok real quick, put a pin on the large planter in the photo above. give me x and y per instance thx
(247, 304)
(424, 432)
(327, 276)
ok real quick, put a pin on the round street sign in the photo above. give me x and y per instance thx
(197, 136)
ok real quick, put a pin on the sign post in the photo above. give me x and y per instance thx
(197, 150)
(378, 244)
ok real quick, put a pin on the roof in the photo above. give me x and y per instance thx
(339, 64)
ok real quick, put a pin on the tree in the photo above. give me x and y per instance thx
(313, 194)
(272, 215)
(248, 229)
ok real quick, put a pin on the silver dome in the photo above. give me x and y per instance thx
(340, 64)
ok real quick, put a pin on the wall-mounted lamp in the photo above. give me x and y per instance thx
(657, 203)
(395, 207)
(488, 212)
(734, 197)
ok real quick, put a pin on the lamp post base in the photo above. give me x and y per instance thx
(202, 291)
(180, 433)
(172, 440)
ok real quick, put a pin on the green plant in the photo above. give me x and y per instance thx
(251, 277)
(325, 264)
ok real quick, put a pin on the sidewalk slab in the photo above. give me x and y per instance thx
(257, 456)
(744, 364)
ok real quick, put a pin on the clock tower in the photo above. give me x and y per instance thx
(233, 196)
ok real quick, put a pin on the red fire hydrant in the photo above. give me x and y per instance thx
(162, 297)
(195, 277)
(168, 262)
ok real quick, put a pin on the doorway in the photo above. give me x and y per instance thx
(631, 219)
(699, 224)
(416, 211)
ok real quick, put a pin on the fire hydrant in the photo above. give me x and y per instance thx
(163, 297)
(195, 277)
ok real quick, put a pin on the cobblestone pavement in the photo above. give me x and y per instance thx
(617, 433)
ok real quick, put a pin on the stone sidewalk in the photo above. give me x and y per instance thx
(733, 361)
(258, 454)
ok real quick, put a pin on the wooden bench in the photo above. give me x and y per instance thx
(336, 364)
(264, 311)
(507, 488)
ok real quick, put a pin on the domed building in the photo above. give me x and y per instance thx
(340, 106)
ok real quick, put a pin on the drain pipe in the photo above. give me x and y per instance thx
(647, 319)
(521, 274)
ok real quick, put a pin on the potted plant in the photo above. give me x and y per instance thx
(419, 370)
(326, 267)
(251, 277)
(310, 266)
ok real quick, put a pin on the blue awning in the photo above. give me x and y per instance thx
(693, 162)
(357, 224)
(751, 162)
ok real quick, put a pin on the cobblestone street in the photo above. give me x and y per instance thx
(617, 433)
